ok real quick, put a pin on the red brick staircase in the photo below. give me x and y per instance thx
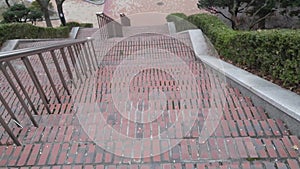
(245, 137)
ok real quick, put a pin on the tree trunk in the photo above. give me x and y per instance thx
(233, 10)
(262, 24)
(44, 5)
(7, 3)
(61, 13)
(47, 17)
(233, 21)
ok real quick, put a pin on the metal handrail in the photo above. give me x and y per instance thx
(16, 54)
(110, 26)
(77, 55)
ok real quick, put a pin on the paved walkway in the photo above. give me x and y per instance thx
(131, 7)
(82, 11)
(149, 12)
(78, 11)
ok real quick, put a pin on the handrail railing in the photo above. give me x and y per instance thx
(109, 25)
(72, 60)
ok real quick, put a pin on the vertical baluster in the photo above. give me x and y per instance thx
(8, 109)
(98, 19)
(49, 77)
(93, 58)
(60, 74)
(9, 131)
(87, 57)
(64, 57)
(16, 91)
(71, 54)
(79, 60)
(94, 52)
(22, 87)
(82, 59)
(36, 83)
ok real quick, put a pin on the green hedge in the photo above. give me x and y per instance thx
(29, 31)
(86, 25)
(180, 21)
(272, 52)
(70, 25)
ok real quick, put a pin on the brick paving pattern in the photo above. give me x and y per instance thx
(131, 7)
(245, 136)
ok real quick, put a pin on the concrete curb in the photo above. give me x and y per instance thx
(172, 28)
(278, 102)
(10, 45)
(74, 32)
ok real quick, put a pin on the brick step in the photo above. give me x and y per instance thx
(219, 150)
(78, 94)
(116, 51)
(115, 45)
(55, 107)
(117, 60)
(134, 30)
(43, 79)
(69, 109)
(8, 93)
(259, 164)
(65, 128)
(171, 107)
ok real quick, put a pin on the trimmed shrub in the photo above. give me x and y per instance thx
(86, 25)
(217, 31)
(70, 25)
(29, 31)
(272, 52)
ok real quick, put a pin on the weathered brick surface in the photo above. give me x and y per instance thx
(245, 137)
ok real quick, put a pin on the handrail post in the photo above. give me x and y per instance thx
(125, 21)
(22, 101)
(36, 82)
(92, 52)
(75, 65)
(60, 74)
(8, 109)
(49, 77)
(14, 73)
(9, 132)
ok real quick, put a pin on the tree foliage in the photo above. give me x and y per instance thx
(271, 52)
(16, 13)
(35, 14)
(257, 11)
(20, 13)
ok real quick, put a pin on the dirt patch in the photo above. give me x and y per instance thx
(293, 88)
